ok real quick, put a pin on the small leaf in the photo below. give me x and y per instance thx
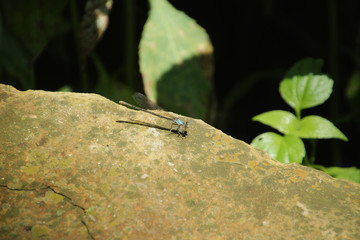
(305, 66)
(65, 88)
(283, 121)
(302, 92)
(285, 149)
(353, 86)
(318, 127)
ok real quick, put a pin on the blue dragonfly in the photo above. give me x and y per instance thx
(177, 124)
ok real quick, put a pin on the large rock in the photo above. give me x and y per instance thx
(78, 166)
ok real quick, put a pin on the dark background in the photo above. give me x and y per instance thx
(255, 43)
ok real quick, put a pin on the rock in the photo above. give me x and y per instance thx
(78, 166)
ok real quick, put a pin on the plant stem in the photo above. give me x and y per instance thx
(313, 143)
(298, 113)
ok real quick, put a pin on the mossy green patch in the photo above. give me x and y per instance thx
(39, 231)
(53, 197)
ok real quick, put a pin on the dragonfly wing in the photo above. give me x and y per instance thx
(144, 102)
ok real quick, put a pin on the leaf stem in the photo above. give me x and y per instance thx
(313, 143)
(298, 113)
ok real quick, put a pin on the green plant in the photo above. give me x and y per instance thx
(300, 92)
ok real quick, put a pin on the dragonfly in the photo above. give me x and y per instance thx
(177, 124)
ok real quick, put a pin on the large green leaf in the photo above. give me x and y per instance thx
(283, 121)
(33, 22)
(15, 61)
(318, 127)
(302, 92)
(176, 60)
(286, 149)
(28, 27)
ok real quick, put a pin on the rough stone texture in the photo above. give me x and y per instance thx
(78, 166)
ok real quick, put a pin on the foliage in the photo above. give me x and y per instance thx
(29, 27)
(174, 60)
(299, 92)
(175, 52)
(351, 173)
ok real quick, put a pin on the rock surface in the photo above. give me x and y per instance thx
(78, 166)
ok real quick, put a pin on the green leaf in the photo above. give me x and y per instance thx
(308, 127)
(318, 127)
(28, 27)
(353, 86)
(283, 121)
(285, 149)
(176, 60)
(65, 88)
(351, 173)
(302, 92)
(305, 66)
